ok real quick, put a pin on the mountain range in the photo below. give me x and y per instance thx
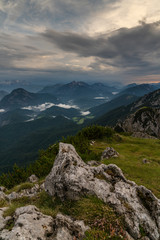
(61, 110)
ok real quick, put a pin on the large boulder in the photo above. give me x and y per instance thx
(30, 224)
(71, 178)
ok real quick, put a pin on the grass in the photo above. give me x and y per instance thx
(132, 152)
(21, 187)
(78, 120)
(102, 220)
(3, 203)
(81, 121)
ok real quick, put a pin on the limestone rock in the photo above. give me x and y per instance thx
(12, 196)
(2, 195)
(32, 179)
(145, 161)
(30, 192)
(144, 123)
(93, 163)
(108, 153)
(71, 178)
(2, 189)
(68, 229)
(30, 224)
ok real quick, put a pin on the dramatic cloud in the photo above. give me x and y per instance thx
(79, 40)
(136, 48)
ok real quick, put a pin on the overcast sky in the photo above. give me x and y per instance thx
(102, 40)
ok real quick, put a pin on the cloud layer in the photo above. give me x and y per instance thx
(44, 106)
(87, 39)
(138, 47)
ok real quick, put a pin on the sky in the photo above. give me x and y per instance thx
(46, 41)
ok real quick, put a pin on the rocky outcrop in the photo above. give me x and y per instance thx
(142, 135)
(32, 179)
(29, 223)
(71, 178)
(109, 152)
(145, 122)
(68, 229)
(30, 192)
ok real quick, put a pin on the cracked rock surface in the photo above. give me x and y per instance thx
(30, 224)
(71, 178)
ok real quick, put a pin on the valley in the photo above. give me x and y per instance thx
(60, 110)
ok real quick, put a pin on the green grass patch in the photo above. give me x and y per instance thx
(132, 152)
(21, 187)
(17, 203)
(81, 121)
(3, 203)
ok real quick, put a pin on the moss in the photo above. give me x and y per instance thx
(100, 176)
(142, 232)
(10, 224)
(3, 203)
(146, 200)
(127, 206)
(110, 172)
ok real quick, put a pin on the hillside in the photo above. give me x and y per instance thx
(16, 144)
(118, 101)
(3, 94)
(19, 98)
(139, 90)
(96, 214)
(120, 114)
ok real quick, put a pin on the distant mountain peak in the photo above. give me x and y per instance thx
(74, 83)
(19, 90)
